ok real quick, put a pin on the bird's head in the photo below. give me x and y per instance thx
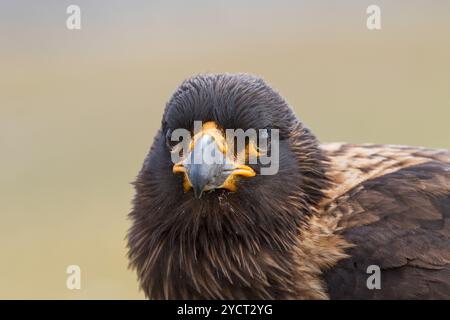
(231, 166)
(229, 135)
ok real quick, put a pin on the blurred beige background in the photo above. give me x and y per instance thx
(78, 109)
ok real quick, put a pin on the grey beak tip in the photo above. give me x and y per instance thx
(198, 191)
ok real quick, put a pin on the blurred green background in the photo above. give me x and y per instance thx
(78, 109)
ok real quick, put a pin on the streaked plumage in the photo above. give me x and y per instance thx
(308, 232)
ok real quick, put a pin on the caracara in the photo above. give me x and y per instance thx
(321, 226)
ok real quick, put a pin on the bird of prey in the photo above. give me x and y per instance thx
(315, 229)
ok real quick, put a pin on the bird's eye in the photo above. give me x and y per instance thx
(263, 144)
(169, 142)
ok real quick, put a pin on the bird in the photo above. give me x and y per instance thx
(315, 229)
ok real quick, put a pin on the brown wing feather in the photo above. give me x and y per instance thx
(399, 221)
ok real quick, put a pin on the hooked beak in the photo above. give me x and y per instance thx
(207, 167)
